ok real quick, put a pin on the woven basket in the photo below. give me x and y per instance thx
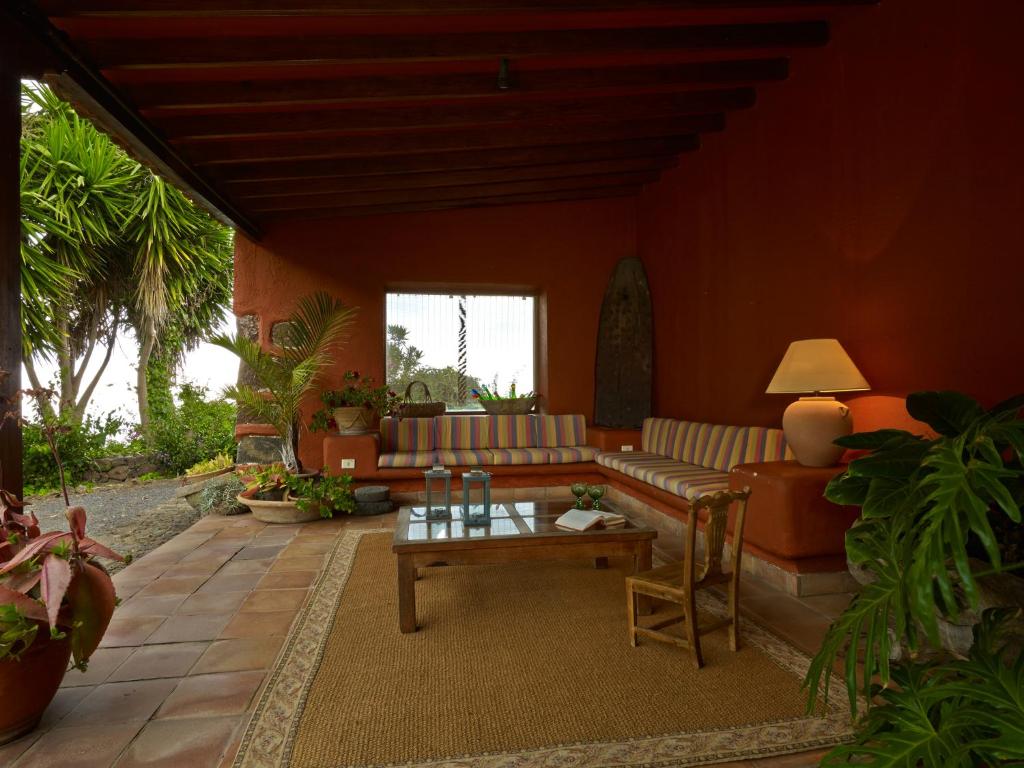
(517, 407)
(424, 409)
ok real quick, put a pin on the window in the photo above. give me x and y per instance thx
(457, 343)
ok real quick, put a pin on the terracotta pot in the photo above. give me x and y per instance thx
(204, 476)
(279, 511)
(28, 686)
(352, 420)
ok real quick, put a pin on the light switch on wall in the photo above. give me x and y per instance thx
(626, 448)
(348, 463)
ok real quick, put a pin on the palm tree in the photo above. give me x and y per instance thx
(287, 375)
(107, 245)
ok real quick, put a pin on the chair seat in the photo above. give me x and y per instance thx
(670, 578)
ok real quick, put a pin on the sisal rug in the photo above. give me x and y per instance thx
(518, 665)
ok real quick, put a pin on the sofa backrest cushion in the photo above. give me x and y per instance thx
(722, 447)
(402, 435)
(659, 435)
(512, 432)
(561, 431)
(461, 433)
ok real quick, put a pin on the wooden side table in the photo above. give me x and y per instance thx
(788, 514)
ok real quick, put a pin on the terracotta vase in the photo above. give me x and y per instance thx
(28, 686)
(354, 420)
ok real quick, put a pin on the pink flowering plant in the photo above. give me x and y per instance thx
(358, 392)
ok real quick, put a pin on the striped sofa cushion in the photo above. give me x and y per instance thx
(464, 457)
(508, 456)
(688, 480)
(570, 455)
(724, 448)
(561, 431)
(511, 432)
(634, 463)
(764, 444)
(458, 433)
(406, 435)
(405, 459)
(659, 435)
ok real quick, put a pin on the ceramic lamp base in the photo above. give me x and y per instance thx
(811, 424)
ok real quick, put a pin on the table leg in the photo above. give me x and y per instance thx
(406, 594)
(600, 563)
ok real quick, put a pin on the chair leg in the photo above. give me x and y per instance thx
(734, 627)
(631, 611)
(692, 633)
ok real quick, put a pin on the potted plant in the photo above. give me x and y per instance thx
(275, 495)
(288, 374)
(220, 464)
(512, 404)
(927, 507)
(56, 601)
(324, 495)
(356, 408)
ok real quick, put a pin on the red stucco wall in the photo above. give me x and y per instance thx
(565, 252)
(876, 197)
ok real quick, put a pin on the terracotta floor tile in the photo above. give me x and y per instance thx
(194, 568)
(231, 582)
(128, 587)
(153, 661)
(65, 701)
(301, 549)
(112, 703)
(247, 566)
(239, 654)
(828, 605)
(182, 585)
(259, 552)
(181, 629)
(93, 746)
(132, 630)
(212, 602)
(226, 693)
(196, 743)
(13, 750)
(154, 605)
(274, 600)
(298, 564)
(101, 664)
(287, 580)
(259, 624)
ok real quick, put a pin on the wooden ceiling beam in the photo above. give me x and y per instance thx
(248, 192)
(570, 195)
(192, 8)
(466, 85)
(112, 51)
(235, 175)
(298, 146)
(458, 192)
(604, 109)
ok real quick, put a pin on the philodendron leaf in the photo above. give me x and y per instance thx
(898, 463)
(948, 413)
(847, 489)
(886, 498)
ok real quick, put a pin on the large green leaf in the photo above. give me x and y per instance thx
(948, 413)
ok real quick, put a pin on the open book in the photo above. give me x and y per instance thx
(585, 519)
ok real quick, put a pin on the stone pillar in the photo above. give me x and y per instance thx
(257, 443)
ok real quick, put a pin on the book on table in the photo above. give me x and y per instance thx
(585, 519)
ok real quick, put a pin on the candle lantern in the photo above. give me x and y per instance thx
(476, 497)
(439, 493)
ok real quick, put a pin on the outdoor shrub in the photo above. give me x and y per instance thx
(219, 496)
(195, 430)
(78, 446)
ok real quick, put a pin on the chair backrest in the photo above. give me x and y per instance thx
(717, 506)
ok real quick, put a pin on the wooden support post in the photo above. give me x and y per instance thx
(10, 257)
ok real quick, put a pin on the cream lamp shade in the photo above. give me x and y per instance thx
(811, 424)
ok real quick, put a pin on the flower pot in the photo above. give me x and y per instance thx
(28, 686)
(204, 476)
(519, 406)
(354, 420)
(279, 511)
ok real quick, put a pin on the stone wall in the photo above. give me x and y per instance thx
(121, 468)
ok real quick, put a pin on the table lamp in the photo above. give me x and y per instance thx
(811, 423)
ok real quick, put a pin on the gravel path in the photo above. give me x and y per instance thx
(131, 518)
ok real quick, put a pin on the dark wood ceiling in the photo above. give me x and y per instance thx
(272, 108)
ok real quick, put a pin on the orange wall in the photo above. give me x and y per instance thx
(564, 252)
(876, 197)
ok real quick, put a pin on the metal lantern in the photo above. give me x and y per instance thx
(476, 497)
(439, 494)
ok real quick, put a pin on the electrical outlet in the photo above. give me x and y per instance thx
(627, 448)
(348, 463)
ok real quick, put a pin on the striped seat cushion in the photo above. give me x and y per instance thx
(688, 480)
(405, 459)
(659, 435)
(633, 463)
(507, 456)
(511, 432)
(561, 431)
(461, 433)
(397, 435)
(570, 455)
(464, 458)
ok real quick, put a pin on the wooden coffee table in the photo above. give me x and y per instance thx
(520, 530)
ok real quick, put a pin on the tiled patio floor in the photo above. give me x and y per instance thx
(202, 621)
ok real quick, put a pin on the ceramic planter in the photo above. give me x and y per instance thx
(28, 686)
(204, 476)
(354, 420)
(279, 511)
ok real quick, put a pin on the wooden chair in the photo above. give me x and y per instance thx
(678, 582)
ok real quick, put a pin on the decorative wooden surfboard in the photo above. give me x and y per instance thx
(623, 375)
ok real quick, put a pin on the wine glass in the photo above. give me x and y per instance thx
(596, 492)
(579, 490)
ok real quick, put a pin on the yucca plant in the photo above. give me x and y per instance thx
(288, 374)
(926, 506)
